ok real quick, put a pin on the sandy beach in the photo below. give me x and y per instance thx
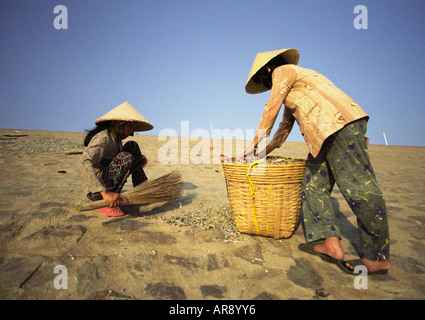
(156, 252)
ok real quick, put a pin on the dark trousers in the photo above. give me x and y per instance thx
(344, 160)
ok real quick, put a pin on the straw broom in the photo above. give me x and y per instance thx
(162, 189)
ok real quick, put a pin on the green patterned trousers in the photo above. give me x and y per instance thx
(344, 160)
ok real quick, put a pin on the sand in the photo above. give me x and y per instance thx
(48, 250)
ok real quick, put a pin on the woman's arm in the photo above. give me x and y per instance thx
(283, 79)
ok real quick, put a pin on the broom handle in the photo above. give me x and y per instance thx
(92, 206)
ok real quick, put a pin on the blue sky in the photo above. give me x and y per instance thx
(188, 60)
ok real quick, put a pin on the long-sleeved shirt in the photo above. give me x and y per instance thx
(318, 106)
(99, 153)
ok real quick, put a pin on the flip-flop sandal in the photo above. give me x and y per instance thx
(112, 212)
(343, 266)
(309, 248)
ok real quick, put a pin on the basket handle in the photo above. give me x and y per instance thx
(221, 156)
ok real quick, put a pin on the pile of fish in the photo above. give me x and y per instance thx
(206, 216)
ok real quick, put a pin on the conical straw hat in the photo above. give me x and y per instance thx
(126, 112)
(291, 56)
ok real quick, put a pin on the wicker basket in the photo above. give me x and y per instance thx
(265, 198)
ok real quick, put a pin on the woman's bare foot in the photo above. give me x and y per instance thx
(372, 266)
(332, 247)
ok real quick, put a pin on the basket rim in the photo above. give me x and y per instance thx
(296, 161)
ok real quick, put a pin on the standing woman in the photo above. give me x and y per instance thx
(106, 164)
(334, 128)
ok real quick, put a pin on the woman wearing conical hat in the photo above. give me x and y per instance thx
(106, 164)
(334, 128)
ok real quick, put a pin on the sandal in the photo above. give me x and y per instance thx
(309, 248)
(112, 212)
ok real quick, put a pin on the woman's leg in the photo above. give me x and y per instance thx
(319, 218)
(350, 164)
(115, 175)
(139, 160)
(317, 185)
(345, 159)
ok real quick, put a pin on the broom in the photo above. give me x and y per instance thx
(162, 189)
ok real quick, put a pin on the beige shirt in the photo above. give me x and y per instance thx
(101, 150)
(318, 106)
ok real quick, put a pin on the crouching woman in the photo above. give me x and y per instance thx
(106, 164)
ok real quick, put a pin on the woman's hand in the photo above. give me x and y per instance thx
(261, 154)
(113, 198)
(245, 153)
(253, 149)
(250, 149)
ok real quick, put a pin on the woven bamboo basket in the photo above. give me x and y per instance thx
(265, 198)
